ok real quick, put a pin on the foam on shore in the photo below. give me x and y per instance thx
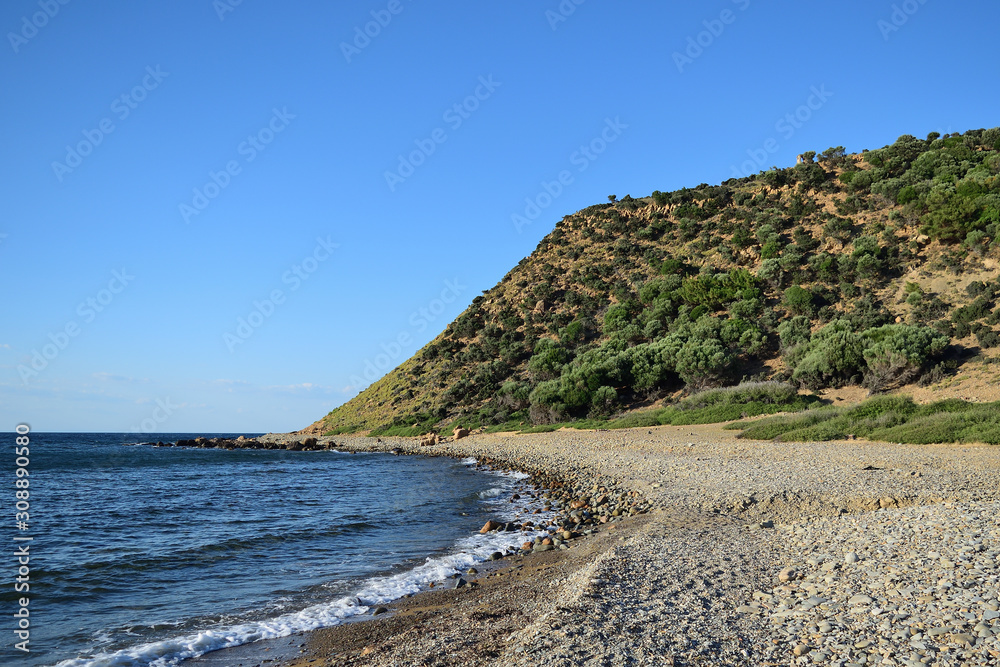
(372, 592)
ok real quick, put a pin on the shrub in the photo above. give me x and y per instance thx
(771, 272)
(658, 288)
(833, 355)
(883, 356)
(799, 301)
(672, 266)
(604, 400)
(977, 241)
(745, 392)
(701, 363)
(618, 316)
(906, 194)
(916, 343)
(988, 338)
(746, 309)
(794, 332)
(514, 395)
(653, 365)
(546, 403)
(574, 332)
(892, 419)
(717, 290)
(548, 360)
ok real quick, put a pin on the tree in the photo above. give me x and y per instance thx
(612, 198)
(834, 155)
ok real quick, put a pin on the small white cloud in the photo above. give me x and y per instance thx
(4, 346)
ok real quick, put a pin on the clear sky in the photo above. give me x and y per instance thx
(218, 215)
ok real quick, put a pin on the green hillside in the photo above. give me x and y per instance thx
(876, 269)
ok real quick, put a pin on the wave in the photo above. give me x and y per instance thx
(209, 552)
(373, 592)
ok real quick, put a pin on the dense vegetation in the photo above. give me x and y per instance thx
(826, 274)
(888, 418)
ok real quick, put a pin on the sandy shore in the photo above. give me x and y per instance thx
(754, 553)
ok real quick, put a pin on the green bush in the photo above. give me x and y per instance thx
(906, 194)
(714, 291)
(779, 393)
(618, 316)
(604, 400)
(658, 288)
(794, 332)
(891, 419)
(879, 357)
(548, 359)
(799, 301)
(834, 355)
(701, 363)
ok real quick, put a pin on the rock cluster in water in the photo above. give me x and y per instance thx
(242, 442)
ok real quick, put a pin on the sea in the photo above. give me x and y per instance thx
(144, 555)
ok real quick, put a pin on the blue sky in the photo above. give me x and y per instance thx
(217, 216)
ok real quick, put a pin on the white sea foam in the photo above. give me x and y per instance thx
(490, 493)
(373, 592)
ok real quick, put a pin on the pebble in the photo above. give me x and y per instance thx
(787, 574)
(925, 588)
(698, 588)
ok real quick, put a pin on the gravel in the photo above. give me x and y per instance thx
(755, 553)
(918, 586)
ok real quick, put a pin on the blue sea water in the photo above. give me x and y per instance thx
(147, 555)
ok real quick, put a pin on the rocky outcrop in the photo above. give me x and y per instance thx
(243, 442)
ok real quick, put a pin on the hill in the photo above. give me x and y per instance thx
(873, 270)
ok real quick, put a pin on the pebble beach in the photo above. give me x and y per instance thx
(723, 552)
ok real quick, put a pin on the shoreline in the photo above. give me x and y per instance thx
(538, 518)
(696, 581)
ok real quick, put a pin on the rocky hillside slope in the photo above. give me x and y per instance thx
(875, 270)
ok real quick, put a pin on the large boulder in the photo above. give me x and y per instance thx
(460, 433)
